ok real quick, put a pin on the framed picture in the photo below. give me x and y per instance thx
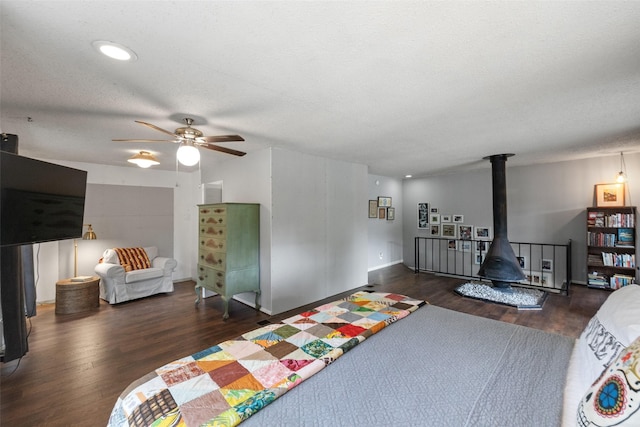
(373, 209)
(391, 214)
(451, 245)
(435, 230)
(445, 218)
(384, 201)
(465, 232)
(423, 215)
(546, 279)
(382, 213)
(479, 258)
(547, 265)
(448, 230)
(464, 245)
(434, 218)
(483, 233)
(609, 195)
(481, 246)
(458, 219)
(533, 278)
(522, 260)
(433, 210)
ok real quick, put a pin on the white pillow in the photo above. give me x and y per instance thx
(110, 257)
(609, 332)
(152, 252)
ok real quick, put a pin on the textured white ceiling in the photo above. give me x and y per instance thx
(403, 87)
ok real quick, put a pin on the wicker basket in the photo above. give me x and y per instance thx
(76, 297)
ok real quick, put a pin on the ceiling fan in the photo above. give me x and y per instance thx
(189, 139)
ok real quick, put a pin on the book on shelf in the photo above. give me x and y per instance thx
(618, 219)
(597, 280)
(610, 259)
(619, 280)
(625, 238)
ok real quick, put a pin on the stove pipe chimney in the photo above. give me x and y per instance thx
(500, 264)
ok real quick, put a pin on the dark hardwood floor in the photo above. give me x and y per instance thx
(78, 364)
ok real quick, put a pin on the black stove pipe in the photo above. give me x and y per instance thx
(500, 264)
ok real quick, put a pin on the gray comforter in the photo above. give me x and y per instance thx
(437, 367)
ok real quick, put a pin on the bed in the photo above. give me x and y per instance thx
(387, 359)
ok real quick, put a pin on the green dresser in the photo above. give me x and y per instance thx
(229, 250)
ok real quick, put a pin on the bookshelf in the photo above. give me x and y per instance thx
(611, 247)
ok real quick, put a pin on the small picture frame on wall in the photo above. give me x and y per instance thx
(449, 230)
(609, 195)
(384, 202)
(465, 232)
(373, 209)
(464, 245)
(391, 214)
(435, 230)
(483, 233)
(458, 219)
(423, 215)
(433, 210)
(481, 246)
(522, 261)
(451, 245)
(479, 258)
(434, 218)
(445, 218)
(547, 265)
(382, 213)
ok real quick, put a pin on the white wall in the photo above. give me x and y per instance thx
(546, 203)
(247, 179)
(319, 228)
(54, 258)
(385, 237)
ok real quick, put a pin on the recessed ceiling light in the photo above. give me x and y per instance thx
(114, 50)
(408, 176)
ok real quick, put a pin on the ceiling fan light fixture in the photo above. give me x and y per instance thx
(114, 50)
(144, 159)
(188, 155)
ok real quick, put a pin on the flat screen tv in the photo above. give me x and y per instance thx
(39, 201)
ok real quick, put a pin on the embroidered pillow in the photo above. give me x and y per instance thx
(609, 332)
(615, 397)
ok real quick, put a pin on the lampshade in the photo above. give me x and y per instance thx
(188, 155)
(144, 159)
(89, 235)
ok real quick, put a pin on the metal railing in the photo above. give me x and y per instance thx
(547, 266)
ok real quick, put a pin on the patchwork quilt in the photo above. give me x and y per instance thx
(227, 383)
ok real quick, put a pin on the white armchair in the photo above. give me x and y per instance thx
(118, 285)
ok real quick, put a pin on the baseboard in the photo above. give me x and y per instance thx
(378, 267)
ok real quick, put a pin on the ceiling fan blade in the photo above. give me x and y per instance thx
(143, 140)
(222, 149)
(221, 138)
(156, 128)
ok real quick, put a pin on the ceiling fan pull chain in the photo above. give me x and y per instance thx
(177, 171)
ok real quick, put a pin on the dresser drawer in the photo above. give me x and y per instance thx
(212, 259)
(213, 215)
(213, 231)
(212, 244)
(211, 279)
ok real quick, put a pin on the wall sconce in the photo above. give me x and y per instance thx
(89, 235)
(144, 159)
(622, 176)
